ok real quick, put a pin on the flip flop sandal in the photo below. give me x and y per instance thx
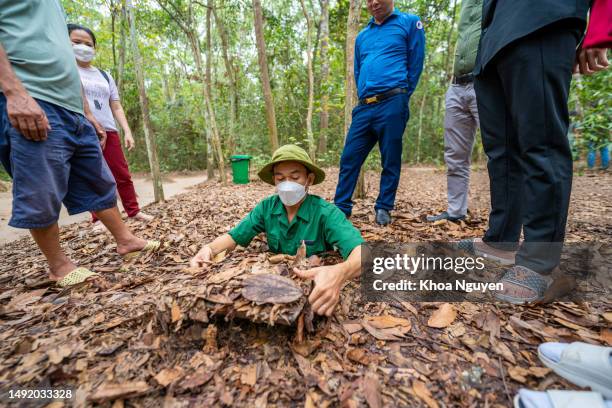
(525, 278)
(467, 245)
(79, 275)
(583, 364)
(559, 399)
(151, 246)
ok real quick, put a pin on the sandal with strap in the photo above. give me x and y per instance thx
(79, 275)
(151, 246)
(526, 278)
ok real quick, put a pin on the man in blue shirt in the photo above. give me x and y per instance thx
(389, 55)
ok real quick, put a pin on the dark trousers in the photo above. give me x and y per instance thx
(522, 100)
(384, 123)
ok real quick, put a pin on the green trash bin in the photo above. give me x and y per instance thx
(240, 168)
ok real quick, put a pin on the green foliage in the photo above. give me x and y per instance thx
(4, 175)
(593, 101)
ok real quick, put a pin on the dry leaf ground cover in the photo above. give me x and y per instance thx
(151, 332)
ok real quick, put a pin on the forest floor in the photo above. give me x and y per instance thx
(148, 333)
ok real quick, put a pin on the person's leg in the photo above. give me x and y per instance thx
(591, 156)
(459, 131)
(540, 116)
(126, 240)
(389, 123)
(113, 154)
(359, 142)
(605, 157)
(38, 189)
(501, 147)
(48, 240)
(91, 187)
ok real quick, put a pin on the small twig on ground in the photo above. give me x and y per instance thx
(501, 368)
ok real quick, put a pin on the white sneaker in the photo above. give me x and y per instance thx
(144, 217)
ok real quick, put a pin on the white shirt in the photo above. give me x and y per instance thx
(99, 93)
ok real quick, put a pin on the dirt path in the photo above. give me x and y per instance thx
(144, 189)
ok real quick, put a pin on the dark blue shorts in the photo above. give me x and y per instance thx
(66, 168)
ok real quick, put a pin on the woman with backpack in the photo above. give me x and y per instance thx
(103, 97)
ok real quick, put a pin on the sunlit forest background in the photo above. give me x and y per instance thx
(187, 45)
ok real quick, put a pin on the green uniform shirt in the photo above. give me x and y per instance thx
(468, 37)
(35, 38)
(316, 220)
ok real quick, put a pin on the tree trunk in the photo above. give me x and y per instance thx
(350, 90)
(209, 113)
(420, 132)
(233, 85)
(122, 48)
(150, 141)
(113, 11)
(265, 76)
(449, 58)
(309, 133)
(324, 115)
(184, 19)
(210, 170)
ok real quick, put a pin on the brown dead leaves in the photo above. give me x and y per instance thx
(270, 288)
(168, 375)
(111, 392)
(386, 327)
(443, 316)
(159, 333)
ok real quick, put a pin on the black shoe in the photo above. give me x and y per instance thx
(383, 217)
(444, 216)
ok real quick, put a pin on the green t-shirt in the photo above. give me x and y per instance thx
(35, 38)
(320, 223)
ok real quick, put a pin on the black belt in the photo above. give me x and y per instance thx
(381, 97)
(463, 79)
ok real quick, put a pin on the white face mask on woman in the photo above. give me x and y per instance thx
(83, 53)
(290, 192)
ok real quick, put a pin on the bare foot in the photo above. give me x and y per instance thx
(61, 269)
(130, 245)
(144, 217)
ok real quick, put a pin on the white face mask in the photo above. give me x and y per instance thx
(290, 192)
(83, 53)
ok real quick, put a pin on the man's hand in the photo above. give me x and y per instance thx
(103, 139)
(328, 283)
(590, 60)
(97, 127)
(129, 142)
(203, 258)
(27, 116)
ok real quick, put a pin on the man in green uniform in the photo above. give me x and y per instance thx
(293, 216)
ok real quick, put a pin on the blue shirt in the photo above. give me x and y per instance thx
(389, 55)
